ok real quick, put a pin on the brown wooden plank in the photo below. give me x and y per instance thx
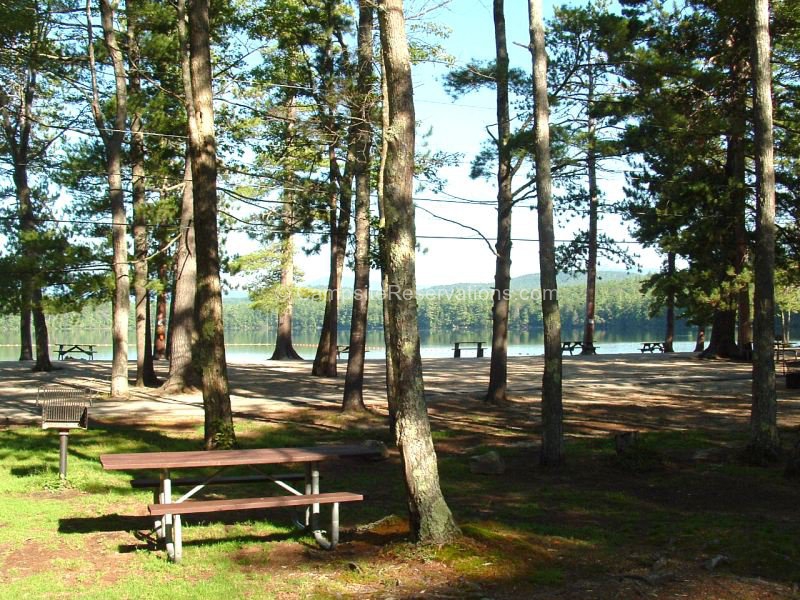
(154, 483)
(209, 506)
(226, 458)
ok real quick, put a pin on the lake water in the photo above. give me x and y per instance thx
(242, 346)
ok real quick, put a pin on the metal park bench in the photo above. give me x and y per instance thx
(64, 408)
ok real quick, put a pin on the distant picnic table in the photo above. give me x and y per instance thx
(571, 346)
(64, 350)
(651, 347)
(168, 510)
(457, 348)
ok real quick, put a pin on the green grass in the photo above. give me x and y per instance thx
(531, 529)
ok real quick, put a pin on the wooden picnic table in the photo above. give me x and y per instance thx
(651, 347)
(168, 510)
(65, 349)
(457, 348)
(571, 346)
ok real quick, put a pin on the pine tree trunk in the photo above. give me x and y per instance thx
(594, 201)
(764, 440)
(430, 517)
(669, 335)
(119, 228)
(391, 390)
(160, 341)
(552, 408)
(498, 367)
(42, 337)
(723, 336)
(738, 186)
(353, 399)
(700, 343)
(210, 349)
(325, 358)
(27, 228)
(183, 373)
(182, 336)
(340, 203)
(145, 373)
(284, 348)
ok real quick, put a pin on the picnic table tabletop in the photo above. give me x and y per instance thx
(228, 458)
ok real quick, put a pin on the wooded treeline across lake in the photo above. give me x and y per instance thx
(621, 304)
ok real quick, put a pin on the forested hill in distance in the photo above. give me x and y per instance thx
(620, 305)
(531, 281)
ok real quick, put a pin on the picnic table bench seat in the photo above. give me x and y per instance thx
(168, 509)
(229, 504)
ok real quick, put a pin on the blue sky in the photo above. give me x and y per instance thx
(460, 126)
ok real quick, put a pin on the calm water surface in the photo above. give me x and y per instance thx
(256, 346)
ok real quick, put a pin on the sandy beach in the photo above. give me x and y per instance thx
(601, 393)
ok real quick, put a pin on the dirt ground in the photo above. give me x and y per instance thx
(602, 395)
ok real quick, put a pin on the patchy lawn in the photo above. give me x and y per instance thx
(678, 515)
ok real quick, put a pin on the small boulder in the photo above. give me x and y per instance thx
(381, 451)
(489, 463)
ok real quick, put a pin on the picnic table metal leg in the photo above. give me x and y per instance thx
(171, 524)
(312, 475)
(308, 492)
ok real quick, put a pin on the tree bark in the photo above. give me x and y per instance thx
(119, 229)
(353, 399)
(183, 373)
(284, 348)
(700, 343)
(391, 390)
(325, 358)
(210, 349)
(723, 335)
(145, 373)
(669, 335)
(160, 341)
(340, 203)
(27, 228)
(736, 166)
(183, 369)
(430, 517)
(594, 201)
(552, 410)
(764, 439)
(498, 367)
(42, 337)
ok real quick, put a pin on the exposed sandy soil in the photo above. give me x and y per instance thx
(602, 394)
